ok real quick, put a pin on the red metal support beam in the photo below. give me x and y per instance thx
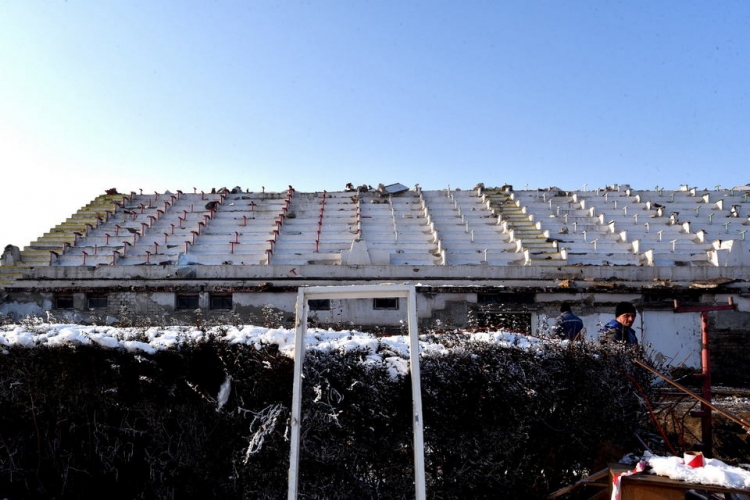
(706, 446)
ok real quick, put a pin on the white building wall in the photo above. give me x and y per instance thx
(674, 336)
(677, 336)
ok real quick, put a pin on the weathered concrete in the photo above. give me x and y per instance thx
(485, 257)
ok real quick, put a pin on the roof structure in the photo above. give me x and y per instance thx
(481, 228)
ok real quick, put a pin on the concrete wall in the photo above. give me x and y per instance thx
(22, 304)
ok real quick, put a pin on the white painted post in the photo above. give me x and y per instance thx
(416, 391)
(300, 328)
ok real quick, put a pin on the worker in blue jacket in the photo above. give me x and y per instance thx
(619, 329)
(568, 326)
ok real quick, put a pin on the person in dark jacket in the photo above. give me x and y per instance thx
(568, 326)
(619, 329)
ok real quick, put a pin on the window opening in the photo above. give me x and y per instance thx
(489, 298)
(64, 302)
(97, 301)
(220, 301)
(385, 303)
(187, 301)
(319, 304)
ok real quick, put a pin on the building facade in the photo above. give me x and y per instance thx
(480, 258)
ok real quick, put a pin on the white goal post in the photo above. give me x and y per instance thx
(357, 292)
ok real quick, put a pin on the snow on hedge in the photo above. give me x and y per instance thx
(391, 350)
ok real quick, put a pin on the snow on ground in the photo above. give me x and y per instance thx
(392, 350)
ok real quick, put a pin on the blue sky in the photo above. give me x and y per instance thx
(165, 95)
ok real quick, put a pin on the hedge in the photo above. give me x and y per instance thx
(499, 421)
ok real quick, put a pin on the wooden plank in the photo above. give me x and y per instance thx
(653, 487)
(589, 480)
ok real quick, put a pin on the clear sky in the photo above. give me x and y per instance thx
(164, 95)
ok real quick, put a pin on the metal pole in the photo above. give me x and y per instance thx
(706, 444)
(705, 411)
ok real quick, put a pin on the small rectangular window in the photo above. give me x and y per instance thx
(319, 304)
(64, 302)
(220, 301)
(385, 303)
(97, 301)
(489, 298)
(187, 301)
